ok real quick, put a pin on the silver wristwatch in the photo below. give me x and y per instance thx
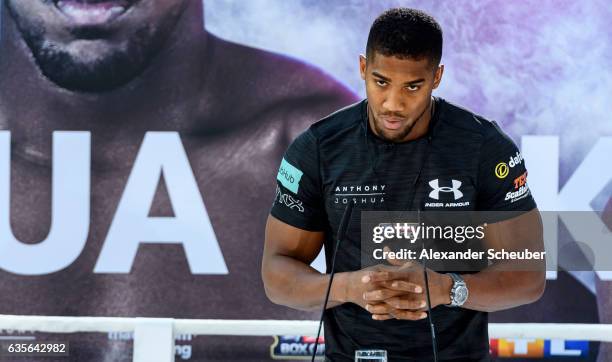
(459, 291)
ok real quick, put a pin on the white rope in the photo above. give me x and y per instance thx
(567, 331)
(67, 324)
(245, 327)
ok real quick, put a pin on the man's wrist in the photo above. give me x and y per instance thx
(340, 288)
(445, 285)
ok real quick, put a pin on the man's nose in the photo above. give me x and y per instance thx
(393, 102)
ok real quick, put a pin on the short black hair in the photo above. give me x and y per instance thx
(406, 33)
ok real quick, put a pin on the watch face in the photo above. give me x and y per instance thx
(461, 295)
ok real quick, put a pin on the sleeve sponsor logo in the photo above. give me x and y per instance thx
(289, 176)
(520, 181)
(514, 196)
(502, 169)
(522, 190)
(515, 160)
(288, 200)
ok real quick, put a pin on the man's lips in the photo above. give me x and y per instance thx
(92, 12)
(392, 123)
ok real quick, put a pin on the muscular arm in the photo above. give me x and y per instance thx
(287, 275)
(503, 285)
(499, 287)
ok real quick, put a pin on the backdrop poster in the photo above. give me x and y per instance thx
(149, 198)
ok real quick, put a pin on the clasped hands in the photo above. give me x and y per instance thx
(397, 290)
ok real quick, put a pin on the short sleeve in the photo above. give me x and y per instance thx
(502, 175)
(298, 200)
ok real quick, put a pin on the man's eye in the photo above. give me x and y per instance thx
(381, 83)
(413, 88)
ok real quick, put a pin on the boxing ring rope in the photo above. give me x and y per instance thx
(154, 337)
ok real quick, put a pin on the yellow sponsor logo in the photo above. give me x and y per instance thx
(502, 170)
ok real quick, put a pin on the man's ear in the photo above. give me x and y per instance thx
(438, 76)
(362, 66)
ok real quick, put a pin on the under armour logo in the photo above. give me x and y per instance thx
(435, 194)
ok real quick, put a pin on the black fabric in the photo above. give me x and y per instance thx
(464, 359)
(342, 161)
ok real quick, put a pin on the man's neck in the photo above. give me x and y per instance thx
(161, 98)
(421, 126)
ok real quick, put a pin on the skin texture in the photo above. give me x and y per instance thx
(399, 92)
(94, 55)
(395, 291)
(236, 109)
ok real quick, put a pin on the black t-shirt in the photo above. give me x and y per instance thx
(464, 163)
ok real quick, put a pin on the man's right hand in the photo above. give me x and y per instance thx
(358, 283)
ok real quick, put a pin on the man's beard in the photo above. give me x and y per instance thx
(399, 137)
(96, 74)
(381, 133)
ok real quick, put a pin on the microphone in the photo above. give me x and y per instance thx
(432, 328)
(344, 222)
(431, 323)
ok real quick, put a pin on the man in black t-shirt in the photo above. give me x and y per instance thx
(401, 149)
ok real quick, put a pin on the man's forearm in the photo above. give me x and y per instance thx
(491, 290)
(294, 284)
(510, 283)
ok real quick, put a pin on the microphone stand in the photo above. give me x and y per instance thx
(431, 323)
(346, 217)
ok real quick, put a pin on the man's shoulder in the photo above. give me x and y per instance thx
(329, 129)
(462, 119)
(275, 86)
(338, 122)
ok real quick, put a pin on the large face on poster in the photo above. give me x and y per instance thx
(138, 157)
(140, 140)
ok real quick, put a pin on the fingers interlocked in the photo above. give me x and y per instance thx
(398, 294)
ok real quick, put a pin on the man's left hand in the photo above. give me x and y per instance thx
(384, 303)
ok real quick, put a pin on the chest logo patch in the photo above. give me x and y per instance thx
(359, 194)
(436, 189)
